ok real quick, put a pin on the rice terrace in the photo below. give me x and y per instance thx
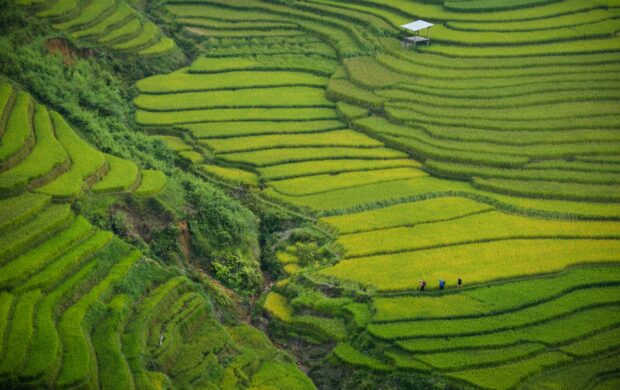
(310, 194)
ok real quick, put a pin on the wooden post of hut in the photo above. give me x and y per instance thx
(416, 27)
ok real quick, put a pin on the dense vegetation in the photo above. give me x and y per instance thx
(172, 169)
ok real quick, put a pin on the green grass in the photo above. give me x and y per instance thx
(471, 358)
(18, 128)
(148, 118)
(85, 161)
(19, 336)
(288, 155)
(129, 28)
(69, 260)
(346, 91)
(183, 81)
(367, 72)
(302, 169)
(6, 90)
(149, 33)
(603, 341)
(352, 356)
(234, 175)
(291, 62)
(46, 155)
(16, 209)
(122, 12)
(152, 182)
(552, 190)
(175, 143)
(87, 15)
(121, 176)
(135, 336)
(555, 331)
(509, 375)
(6, 301)
(562, 305)
(277, 306)
(113, 371)
(406, 214)
(487, 300)
(43, 224)
(235, 129)
(328, 182)
(192, 156)
(77, 350)
(259, 97)
(33, 260)
(164, 45)
(489, 226)
(59, 8)
(474, 263)
(336, 138)
(580, 374)
(556, 175)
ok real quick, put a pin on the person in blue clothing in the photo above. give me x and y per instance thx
(442, 283)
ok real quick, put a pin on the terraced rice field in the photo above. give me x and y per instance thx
(490, 155)
(42, 153)
(114, 24)
(79, 307)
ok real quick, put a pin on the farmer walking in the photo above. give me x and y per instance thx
(459, 283)
(442, 283)
(422, 284)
